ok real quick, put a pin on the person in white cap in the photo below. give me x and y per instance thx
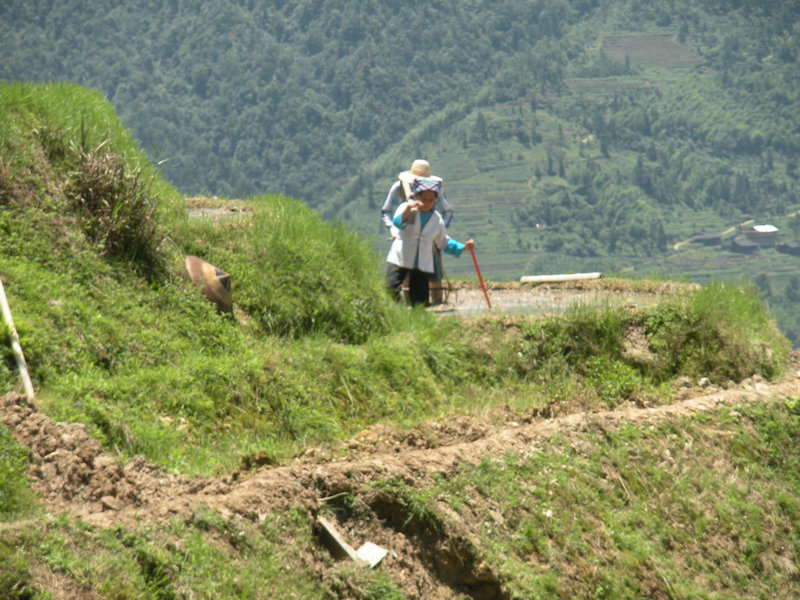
(411, 253)
(401, 192)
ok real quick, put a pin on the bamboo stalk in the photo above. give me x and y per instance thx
(15, 346)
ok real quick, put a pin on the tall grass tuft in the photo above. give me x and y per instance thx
(113, 203)
(41, 125)
(60, 145)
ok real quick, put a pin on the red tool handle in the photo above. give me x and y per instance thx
(483, 287)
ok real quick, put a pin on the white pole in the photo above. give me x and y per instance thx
(23, 368)
(559, 277)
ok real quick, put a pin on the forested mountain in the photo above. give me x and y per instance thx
(571, 134)
(248, 97)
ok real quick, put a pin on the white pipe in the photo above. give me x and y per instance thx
(557, 278)
(23, 368)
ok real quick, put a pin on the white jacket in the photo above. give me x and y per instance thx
(412, 243)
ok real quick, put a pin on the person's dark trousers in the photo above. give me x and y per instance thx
(418, 289)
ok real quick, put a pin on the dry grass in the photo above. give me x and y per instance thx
(611, 284)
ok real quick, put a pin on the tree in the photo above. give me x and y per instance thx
(481, 131)
(792, 290)
(762, 283)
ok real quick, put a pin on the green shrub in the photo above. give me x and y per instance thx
(585, 331)
(612, 379)
(721, 331)
(383, 589)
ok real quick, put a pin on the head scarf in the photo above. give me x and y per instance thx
(427, 183)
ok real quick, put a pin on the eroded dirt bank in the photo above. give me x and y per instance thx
(74, 475)
(72, 472)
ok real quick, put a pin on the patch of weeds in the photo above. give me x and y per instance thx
(9, 374)
(16, 496)
(207, 556)
(155, 565)
(721, 331)
(530, 538)
(15, 578)
(584, 331)
(405, 507)
(351, 506)
(613, 380)
(383, 589)
(232, 558)
(347, 580)
(54, 144)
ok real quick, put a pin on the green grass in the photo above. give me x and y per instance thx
(63, 118)
(294, 275)
(204, 556)
(632, 512)
(16, 498)
(112, 352)
(17, 501)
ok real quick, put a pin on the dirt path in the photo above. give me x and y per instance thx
(74, 475)
(467, 299)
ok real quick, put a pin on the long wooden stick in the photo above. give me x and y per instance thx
(23, 368)
(483, 287)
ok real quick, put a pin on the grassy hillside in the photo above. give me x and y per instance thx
(117, 338)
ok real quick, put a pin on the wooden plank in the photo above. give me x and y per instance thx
(368, 554)
(372, 554)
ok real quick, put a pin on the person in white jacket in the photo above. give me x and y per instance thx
(400, 192)
(411, 253)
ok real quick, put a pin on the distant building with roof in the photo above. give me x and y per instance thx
(708, 238)
(763, 235)
(744, 245)
(791, 247)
